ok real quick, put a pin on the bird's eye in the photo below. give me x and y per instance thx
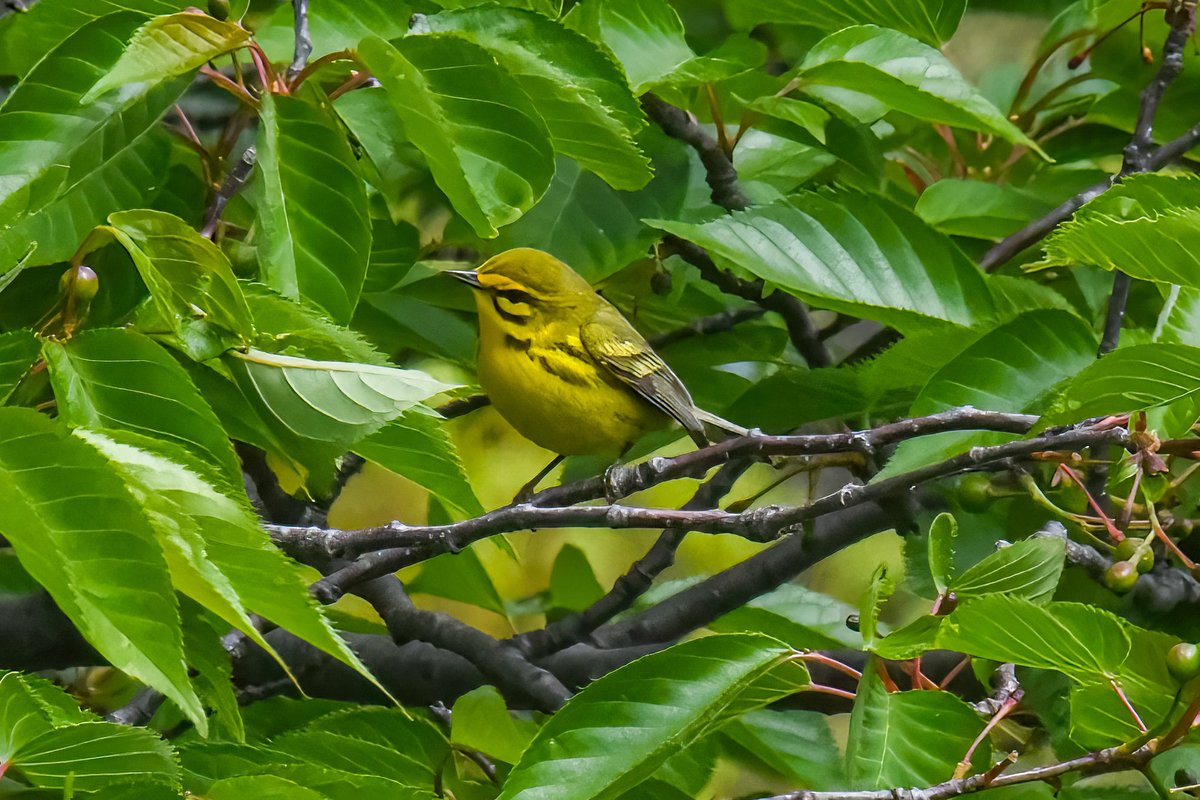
(515, 296)
(513, 305)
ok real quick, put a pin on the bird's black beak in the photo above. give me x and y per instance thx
(467, 276)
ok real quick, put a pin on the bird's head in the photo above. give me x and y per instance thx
(524, 284)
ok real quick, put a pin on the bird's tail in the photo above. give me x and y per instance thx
(709, 418)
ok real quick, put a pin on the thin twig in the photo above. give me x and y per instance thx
(234, 181)
(1110, 759)
(303, 48)
(704, 326)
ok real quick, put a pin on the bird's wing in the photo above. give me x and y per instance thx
(612, 341)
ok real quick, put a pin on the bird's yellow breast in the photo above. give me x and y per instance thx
(548, 388)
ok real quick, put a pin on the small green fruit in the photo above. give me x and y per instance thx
(1121, 576)
(81, 281)
(975, 493)
(219, 9)
(1125, 551)
(1183, 660)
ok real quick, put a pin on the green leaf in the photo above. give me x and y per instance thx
(771, 166)
(1094, 648)
(417, 446)
(315, 235)
(82, 535)
(395, 248)
(1132, 379)
(878, 592)
(593, 227)
(906, 738)
(1082, 642)
(206, 654)
(797, 616)
(942, 533)
(977, 209)
(581, 93)
(262, 787)
(18, 352)
(1148, 226)
(1029, 568)
(485, 140)
(417, 747)
(914, 639)
(808, 116)
(119, 379)
(797, 744)
(347, 752)
(892, 71)
(573, 584)
(883, 387)
(849, 253)
(735, 56)
(168, 46)
(646, 36)
(64, 163)
(400, 321)
(931, 21)
(22, 717)
(460, 577)
(330, 401)
(28, 36)
(657, 706)
(392, 165)
(292, 328)
(192, 283)
(222, 545)
(481, 721)
(1013, 368)
(1179, 320)
(550, 8)
(91, 755)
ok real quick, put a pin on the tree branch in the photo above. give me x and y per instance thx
(760, 524)
(500, 663)
(718, 168)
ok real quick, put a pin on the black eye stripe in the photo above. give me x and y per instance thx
(515, 295)
(508, 315)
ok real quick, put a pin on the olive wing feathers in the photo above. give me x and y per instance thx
(615, 345)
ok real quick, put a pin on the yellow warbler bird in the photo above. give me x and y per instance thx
(564, 367)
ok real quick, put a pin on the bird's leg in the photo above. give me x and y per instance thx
(526, 492)
(613, 491)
